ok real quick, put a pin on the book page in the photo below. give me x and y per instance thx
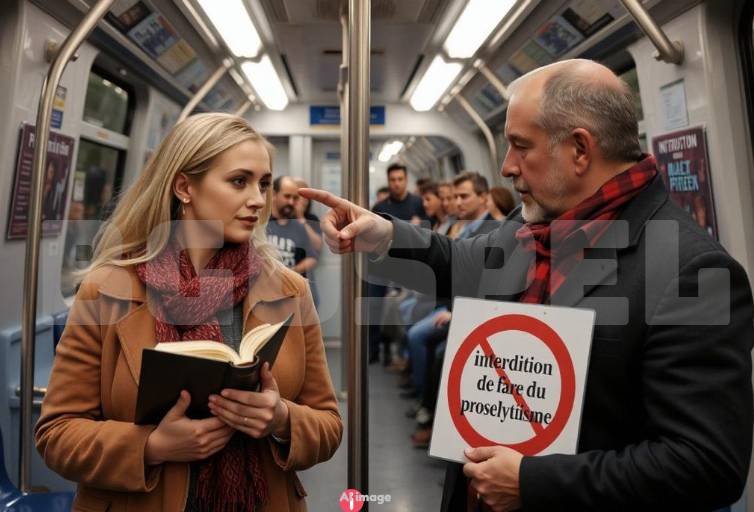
(205, 349)
(255, 339)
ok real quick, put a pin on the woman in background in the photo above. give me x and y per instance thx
(184, 257)
(500, 202)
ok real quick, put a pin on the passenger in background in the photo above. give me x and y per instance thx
(197, 210)
(284, 232)
(306, 218)
(403, 205)
(400, 203)
(382, 194)
(420, 182)
(311, 223)
(445, 191)
(500, 202)
(470, 190)
(431, 203)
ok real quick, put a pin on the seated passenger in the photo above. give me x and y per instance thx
(430, 194)
(449, 226)
(500, 202)
(150, 281)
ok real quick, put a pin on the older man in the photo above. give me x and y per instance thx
(667, 415)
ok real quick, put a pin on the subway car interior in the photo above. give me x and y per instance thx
(342, 89)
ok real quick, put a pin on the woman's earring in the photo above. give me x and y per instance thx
(183, 206)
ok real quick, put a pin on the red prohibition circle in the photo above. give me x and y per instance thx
(550, 338)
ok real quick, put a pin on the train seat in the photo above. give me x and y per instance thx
(13, 500)
(58, 324)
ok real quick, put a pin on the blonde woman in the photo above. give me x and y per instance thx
(184, 257)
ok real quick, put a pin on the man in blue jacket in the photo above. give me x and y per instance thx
(667, 415)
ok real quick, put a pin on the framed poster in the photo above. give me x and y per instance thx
(684, 166)
(557, 36)
(59, 158)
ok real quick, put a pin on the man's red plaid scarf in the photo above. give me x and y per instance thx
(586, 218)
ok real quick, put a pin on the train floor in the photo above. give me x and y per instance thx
(411, 478)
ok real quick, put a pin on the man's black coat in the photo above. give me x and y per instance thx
(667, 417)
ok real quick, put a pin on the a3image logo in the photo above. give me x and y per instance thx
(351, 500)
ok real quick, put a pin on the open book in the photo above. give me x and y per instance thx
(203, 368)
(253, 342)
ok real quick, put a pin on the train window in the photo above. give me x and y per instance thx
(107, 104)
(95, 183)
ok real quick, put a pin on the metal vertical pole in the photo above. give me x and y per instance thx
(359, 40)
(347, 324)
(34, 230)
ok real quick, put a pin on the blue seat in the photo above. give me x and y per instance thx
(13, 500)
(58, 324)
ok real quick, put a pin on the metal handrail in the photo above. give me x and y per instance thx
(31, 268)
(668, 51)
(493, 79)
(243, 108)
(359, 41)
(474, 115)
(204, 89)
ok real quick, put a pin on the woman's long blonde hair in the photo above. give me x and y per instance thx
(144, 213)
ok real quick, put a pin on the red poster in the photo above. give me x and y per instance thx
(684, 165)
(59, 158)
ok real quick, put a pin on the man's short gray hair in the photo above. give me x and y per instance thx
(570, 100)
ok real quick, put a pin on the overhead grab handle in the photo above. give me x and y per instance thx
(667, 50)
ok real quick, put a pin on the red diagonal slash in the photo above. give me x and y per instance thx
(538, 428)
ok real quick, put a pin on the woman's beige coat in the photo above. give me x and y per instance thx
(86, 431)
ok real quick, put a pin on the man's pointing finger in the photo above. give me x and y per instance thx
(323, 197)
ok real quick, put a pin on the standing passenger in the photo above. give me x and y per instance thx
(210, 276)
(285, 232)
(667, 411)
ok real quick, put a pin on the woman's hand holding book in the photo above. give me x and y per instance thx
(257, 414)
(180, 439)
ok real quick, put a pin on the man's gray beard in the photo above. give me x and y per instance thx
(533, 212)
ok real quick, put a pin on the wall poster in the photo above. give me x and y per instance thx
(684, 166)
(59, 158)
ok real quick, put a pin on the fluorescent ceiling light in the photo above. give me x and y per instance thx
(478, 19)
(437, 78)
(266, 83)
(232, 22)
(389, 150)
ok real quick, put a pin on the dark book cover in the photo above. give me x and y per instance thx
(164, 375)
